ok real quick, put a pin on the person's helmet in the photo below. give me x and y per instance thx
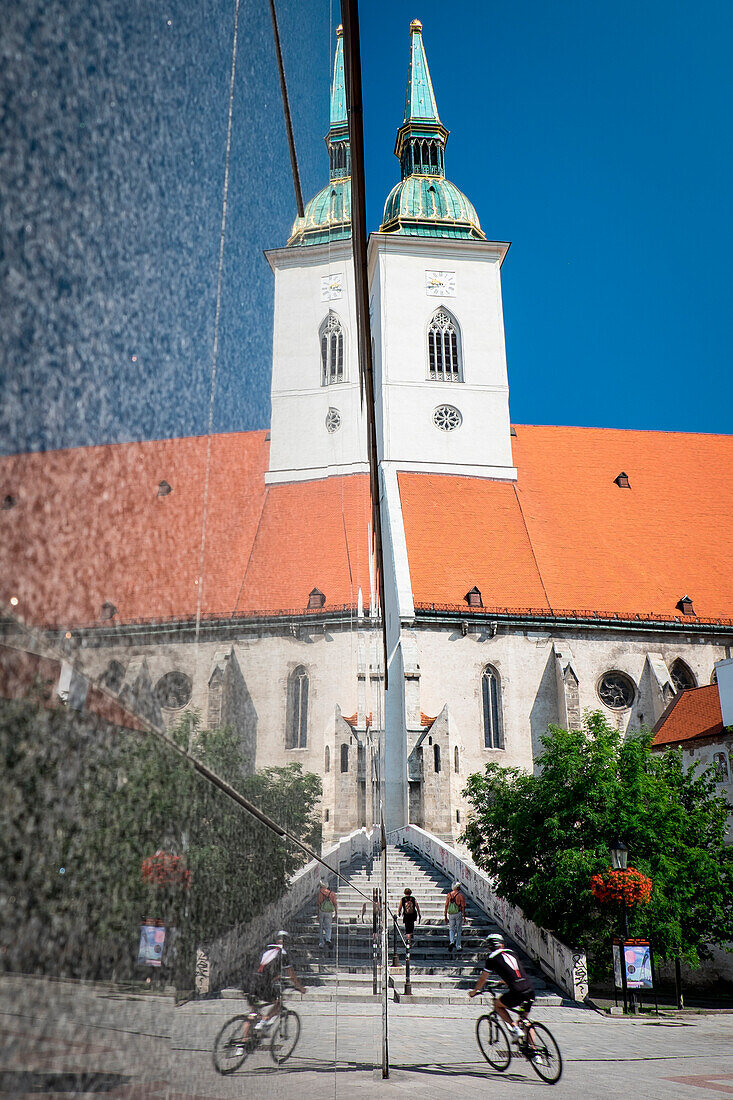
(495, 940)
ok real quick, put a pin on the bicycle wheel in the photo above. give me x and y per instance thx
(230, 1049)
(545, 1058)
(285, 1036)
(493, 1041)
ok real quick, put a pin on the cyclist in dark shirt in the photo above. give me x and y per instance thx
(266, 987)
(506, 965)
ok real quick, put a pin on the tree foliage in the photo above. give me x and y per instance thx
(83, 803)
(543, 836)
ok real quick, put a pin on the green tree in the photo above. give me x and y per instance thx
(82, 803)
(543, 836)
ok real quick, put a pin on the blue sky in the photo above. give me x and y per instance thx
(595, 138)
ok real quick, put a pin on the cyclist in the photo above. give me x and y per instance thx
(265, 995)
(507, 966)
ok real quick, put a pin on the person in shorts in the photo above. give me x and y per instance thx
(409, 910)
(520, 992)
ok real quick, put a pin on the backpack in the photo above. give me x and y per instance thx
(325, 901)
(409, 906)
(453, 906)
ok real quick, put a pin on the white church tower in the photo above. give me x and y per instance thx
(437, 318)
(318, 427)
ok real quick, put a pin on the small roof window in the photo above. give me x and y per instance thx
(473, 598)
(9, 501)
(108, 610)
(685, 605)
(622, 480)
(164, 488)
(316, 599)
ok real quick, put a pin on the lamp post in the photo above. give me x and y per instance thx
(619, 861)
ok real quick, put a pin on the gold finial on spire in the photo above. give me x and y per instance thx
(415, 25)
(340, 31)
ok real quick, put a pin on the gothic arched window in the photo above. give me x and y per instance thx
(681, 675)
(456, 760)
(444, 348)
(491, 699)
(328, 759)
(296, 729)
(331, 333)
(344, 757)
(436, 757)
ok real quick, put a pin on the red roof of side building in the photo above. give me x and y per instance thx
(89, 526)
(566, 538)
(692, 714)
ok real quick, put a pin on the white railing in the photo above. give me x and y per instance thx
(564, 966)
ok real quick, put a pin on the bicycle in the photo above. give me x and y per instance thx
(231, 1049)
(537, 1044)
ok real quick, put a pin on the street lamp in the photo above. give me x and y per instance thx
(619, 855)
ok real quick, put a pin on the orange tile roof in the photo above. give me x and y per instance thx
(567, 538)
(89, 527)
(691, 714)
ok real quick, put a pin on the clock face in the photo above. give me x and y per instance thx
(440, 284)
(332, 286)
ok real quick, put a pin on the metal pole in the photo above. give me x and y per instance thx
(385, 950)
(678, 983)
(395, 956)
(408, 984)
(375, 916)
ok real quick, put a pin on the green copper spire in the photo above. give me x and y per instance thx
(327, 217)
(425, 203)
(338, 88)
(420, 98)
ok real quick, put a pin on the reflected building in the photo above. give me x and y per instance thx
(533, 572)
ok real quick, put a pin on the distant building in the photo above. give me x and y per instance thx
(699, 721)
(532, 572)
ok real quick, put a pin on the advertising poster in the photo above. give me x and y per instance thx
(617, 966)
(637, 963)
(638, 966)
(152, 939)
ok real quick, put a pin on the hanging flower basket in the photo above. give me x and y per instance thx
(165, 869)
(629, 886)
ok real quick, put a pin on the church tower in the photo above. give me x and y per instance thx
(437, 317)
(318, 427)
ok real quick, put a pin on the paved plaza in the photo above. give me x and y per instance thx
(61, 1039)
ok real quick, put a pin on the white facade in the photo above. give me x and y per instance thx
(411, 278)
(310, 283)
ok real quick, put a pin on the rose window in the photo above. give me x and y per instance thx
(616, 690)
(333, 420)
(447, 418)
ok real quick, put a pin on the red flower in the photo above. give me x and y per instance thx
(629, 886)
(165, 869)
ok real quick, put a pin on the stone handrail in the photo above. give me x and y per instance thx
(564, 966)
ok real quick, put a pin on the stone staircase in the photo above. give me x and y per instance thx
(346, 973)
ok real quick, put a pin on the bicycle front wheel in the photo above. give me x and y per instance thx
(493, 1041)
(543, 1053)
(230, 1049)
(285, 1036)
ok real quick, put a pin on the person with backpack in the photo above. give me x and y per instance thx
(327, 910)
(410, 912)
(454, 912)
(265, 987)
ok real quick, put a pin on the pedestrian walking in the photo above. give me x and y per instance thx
(455, 911)
(410, 912)
(327, 912)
